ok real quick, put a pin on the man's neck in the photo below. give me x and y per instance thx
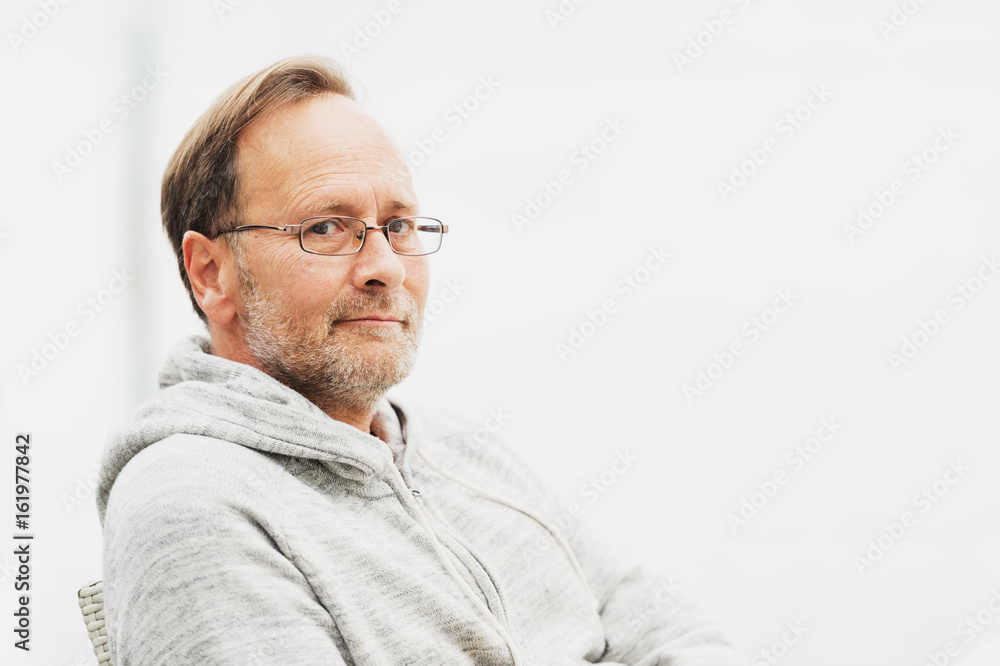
(358, 415)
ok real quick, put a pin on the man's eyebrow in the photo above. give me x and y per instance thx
(340, 206)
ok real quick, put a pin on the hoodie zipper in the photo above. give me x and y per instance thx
(408, 499)
(493, 595)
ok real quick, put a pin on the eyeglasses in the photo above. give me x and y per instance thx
(412, 236)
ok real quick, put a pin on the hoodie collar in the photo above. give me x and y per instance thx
(207, 395)
(387, 427)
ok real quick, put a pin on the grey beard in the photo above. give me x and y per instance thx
(320, 364)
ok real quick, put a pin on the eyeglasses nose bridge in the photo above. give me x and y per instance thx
(384, 232)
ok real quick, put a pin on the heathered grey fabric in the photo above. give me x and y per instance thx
(242, 525)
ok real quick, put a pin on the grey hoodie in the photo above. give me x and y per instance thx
(242, 525)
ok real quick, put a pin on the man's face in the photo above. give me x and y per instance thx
(303, 315)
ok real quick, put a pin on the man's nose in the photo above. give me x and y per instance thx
(377, 263)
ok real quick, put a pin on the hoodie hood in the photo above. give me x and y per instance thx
(202, 394)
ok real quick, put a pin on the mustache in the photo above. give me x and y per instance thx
(354, 307)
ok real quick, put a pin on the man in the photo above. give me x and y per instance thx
(270, 504)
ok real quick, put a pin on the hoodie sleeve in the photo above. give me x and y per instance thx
(647, 620)
(196, 568)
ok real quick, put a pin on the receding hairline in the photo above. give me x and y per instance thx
(322, 205)
(377, 128)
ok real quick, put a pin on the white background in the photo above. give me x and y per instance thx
(524, 291)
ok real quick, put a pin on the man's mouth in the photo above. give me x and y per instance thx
(372, 319)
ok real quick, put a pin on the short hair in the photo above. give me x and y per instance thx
(200, 189)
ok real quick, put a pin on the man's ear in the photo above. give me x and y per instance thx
(207, 264)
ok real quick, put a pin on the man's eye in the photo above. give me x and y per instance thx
(400, 226)
(326, 227)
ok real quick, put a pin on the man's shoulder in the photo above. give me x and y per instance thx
(193, 471)
(195, 454)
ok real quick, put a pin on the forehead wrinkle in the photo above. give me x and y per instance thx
(319, 200)
(318, 164)
(317, 192)
(291, 167)
(319, 160)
